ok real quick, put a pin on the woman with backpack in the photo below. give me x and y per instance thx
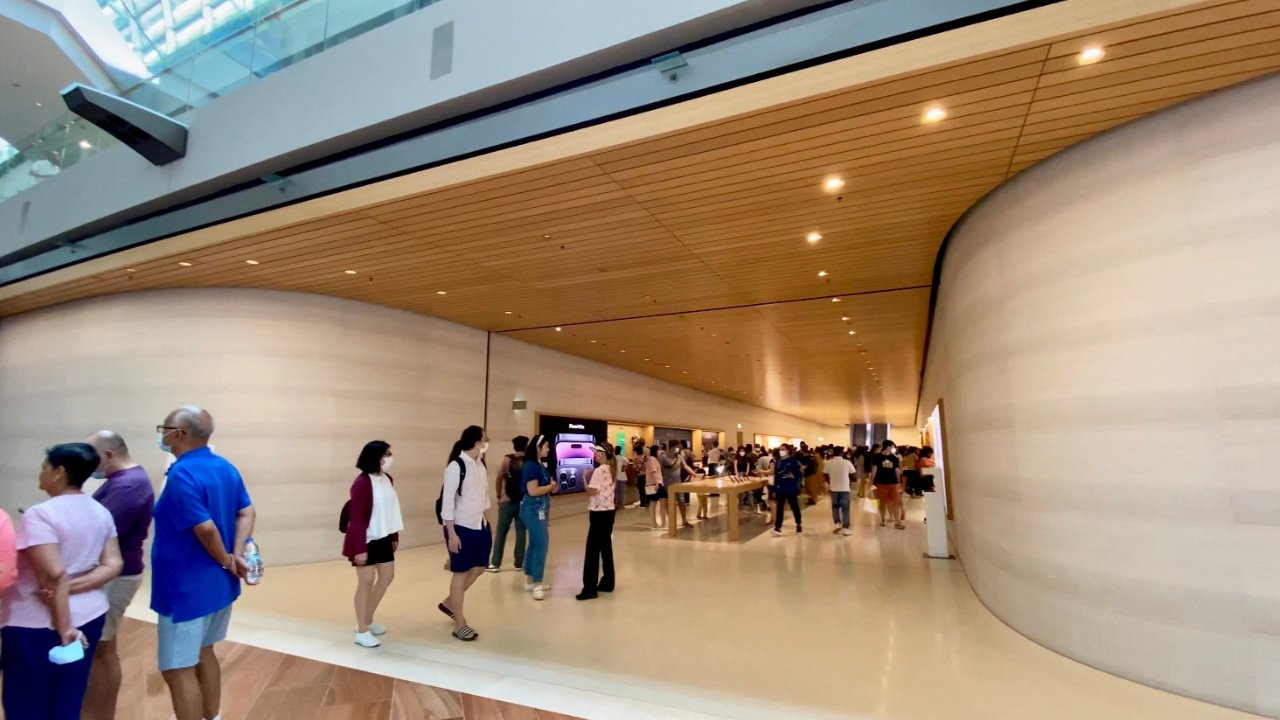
(788, 475)
(535, 508)
(464, 502)
(372, 536)
(510, 490)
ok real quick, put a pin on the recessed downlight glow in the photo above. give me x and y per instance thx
(833, 184)
(250, 262)
(506, 312)
(822, 273)
(835, 299)
(844, 318)
(934, 114)
(130, 270)
(558, 329)
(646, 359)
(184, 263)
(1091, 55)
(813, 237)
(349, 272)
(851, 332)
(86, 145)
(442, 292)
(593, 341)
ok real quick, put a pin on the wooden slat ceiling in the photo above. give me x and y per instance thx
(654, 246)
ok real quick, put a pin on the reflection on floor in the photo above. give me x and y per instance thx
(264, 685)
(809, 627)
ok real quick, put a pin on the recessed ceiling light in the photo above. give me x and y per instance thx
(844, 318)
(813, 237)
(934, 114)
(646, 359)
(622, 351)
(250, 262)
(349, 272)
(833, 183)
(546, 237)
(184, 263)
(835, 299)
(39, 104)
(558, 329)
(85, 145)
(1091, 55)
(852, 332)
(666, 366)
(593, 341)
(442, 292)
(130, 270)
(506, 312)
(684, 372)
(822, 273)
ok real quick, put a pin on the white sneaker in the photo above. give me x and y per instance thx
(366, 639)
(539, 592)
(528, 584)
(492, 568)
(846, 531)
(776, 533)
(374, 629)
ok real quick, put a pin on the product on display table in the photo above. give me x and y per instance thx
(730, 486)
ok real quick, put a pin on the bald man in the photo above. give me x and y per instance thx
(203, 519)
(127, 494)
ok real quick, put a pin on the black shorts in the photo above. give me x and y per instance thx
(380, 551)
(477, 545)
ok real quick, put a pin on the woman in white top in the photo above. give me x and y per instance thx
(372, 536)
(464, 500)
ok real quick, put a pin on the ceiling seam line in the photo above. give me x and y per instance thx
(1017, 141)
(746, 306)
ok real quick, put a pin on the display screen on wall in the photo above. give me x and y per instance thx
(710, 439)
(571, 455)
(663, 435)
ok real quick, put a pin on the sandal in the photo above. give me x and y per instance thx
(442, 608)
(466, 634)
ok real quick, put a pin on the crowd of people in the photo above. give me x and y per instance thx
(75, 562)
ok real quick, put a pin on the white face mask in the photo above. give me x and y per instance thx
(160, 443)
(484, 447)
(782, 453)
(386, 462)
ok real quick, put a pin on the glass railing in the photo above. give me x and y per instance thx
(277, 36)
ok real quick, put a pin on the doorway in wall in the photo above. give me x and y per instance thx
(932, 434)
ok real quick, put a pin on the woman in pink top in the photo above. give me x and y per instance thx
(601, 508)
(654, 489)
(67, 552)
(8, 554)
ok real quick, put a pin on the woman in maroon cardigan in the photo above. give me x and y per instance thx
(373, 536)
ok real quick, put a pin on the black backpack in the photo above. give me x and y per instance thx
(462, 475)
(514, 485)
(810, 465)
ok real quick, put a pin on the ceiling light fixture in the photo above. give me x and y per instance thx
(934, 114)
(86, 145)
(813, 237)
(250, 262)
(39, 104)
(822, 273)
(442, 292)
(833, 184)
(130, 270)
(558, 329)
(593, 341)
(506, 312)
(844, 318)
(835, 299)
(852, 332)
(349, 272)
(184, 263)
(1091, 55)
(646, 359)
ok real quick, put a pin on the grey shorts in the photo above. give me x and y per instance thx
(180, 643)
(120, 592)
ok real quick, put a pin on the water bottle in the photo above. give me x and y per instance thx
(253, 557)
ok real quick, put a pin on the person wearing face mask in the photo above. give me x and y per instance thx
(128, 496)
(601, 507)
(787, 477)
(203, 520)
(463, 510)
(373, 536)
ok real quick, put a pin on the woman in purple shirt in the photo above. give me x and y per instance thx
(67, 553)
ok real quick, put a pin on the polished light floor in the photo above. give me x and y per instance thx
(814, 626)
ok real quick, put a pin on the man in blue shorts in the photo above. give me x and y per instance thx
(203, 518)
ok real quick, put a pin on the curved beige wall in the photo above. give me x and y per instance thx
(297, 384)
(1107, 345)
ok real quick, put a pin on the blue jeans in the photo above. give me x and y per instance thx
(840, 507)
(508, 512)
(37, 689)
(535, 556)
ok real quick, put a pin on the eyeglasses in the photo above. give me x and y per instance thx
(162, 428)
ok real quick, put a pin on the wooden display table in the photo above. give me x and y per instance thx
(730, 487)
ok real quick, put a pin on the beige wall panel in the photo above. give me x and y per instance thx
(1107, 345)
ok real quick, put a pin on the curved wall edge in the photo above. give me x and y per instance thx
(1106, 343)
(297, 384)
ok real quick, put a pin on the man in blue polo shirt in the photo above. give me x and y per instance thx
(203, 518)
